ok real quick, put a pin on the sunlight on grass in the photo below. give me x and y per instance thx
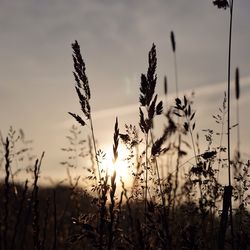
(120, 166)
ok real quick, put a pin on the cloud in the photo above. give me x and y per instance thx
(208, 99)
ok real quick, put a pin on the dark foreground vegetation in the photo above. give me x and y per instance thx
(177, 200)
(68, 218)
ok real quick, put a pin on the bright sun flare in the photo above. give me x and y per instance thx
(120, 166)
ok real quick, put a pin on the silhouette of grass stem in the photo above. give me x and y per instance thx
(19, 215)
(228, 121)
(6, 193)
(83, 91)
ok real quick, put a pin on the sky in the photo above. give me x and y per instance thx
(36, 81)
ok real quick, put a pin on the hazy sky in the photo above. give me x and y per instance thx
(36, 82)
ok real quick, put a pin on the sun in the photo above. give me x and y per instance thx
(120, 166)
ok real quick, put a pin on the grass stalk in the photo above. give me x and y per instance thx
(18, 219)
(224, 216)
(83, 91)
(103, 201)
(173, 43)
(146, 178)
(55, 221)
(229, 92)
(225, 4)
(113, 187)
(238, 156)
(92, 157)
(158, 173)
(6, 194)
(237, 94)
(35, 205)
(222, 121)
(231, 2)
(95, 148)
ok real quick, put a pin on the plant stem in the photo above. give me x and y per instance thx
(146, 181)
(238, 129)
(228, 122)
(18, 218)
(228, 91)
(158, 173)
(176, 172)
(179, 134)
(6, 194)
(55, 220)
(94, 144)
(221, 133)
(176, 75)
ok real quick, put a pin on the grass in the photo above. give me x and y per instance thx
(174, 202)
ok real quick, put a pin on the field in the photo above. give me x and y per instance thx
(159, 190)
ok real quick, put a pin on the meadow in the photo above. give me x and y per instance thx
(159, 190)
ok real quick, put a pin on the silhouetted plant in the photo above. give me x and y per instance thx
(76, 148)
(237, 95)
(6, 194)
(18, 218)
(148, 99)
(113, 187)
(83, 92)
(67, 217)
(35, 208)
(228, 4)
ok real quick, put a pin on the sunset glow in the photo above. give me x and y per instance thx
(120, 166)
(124, 124)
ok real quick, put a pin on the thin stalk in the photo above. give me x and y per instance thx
(113, 187)
(177, 171)
(176, 75)
(238, 147)
(228, 122)
(103, 200)
(172, 38)
(18, 218)
(158, 173)
(138, 165)
(92, 158)
(111, 211)
(192, 139)
(165, 101)
(94, 144)
(1, 215)
(238, 162)
(55, 220)
(238, 129)
(178, 119)
(165, 217)
(228, 91)
(221, 133)
(6, 194)
(146, 180)
(237, 95)
(35, 205)
(196, 161)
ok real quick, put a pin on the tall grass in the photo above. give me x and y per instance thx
(91, 214)
(83, 92)
(6, 194)
(228, 4)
